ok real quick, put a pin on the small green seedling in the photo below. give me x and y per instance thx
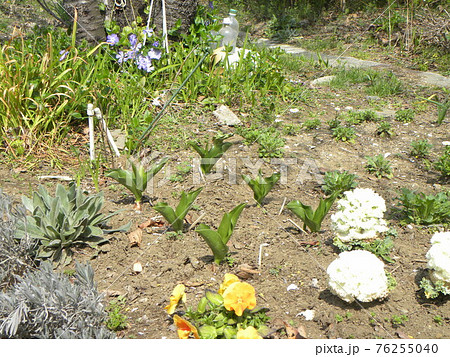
(176, 217)
(210, 155)
(117, 320)
(261, 186)
(217, 240)
(137, 179)
(379, 166)
(312, 219)
(338, 182)
(398, 320)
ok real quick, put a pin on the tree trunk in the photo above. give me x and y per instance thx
(124, 12)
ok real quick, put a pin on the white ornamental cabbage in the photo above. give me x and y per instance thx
(359, 215)
(439, 259)
(358, 275)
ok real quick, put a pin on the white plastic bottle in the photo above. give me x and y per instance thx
(229, 35)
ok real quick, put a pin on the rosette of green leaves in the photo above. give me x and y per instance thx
(338, 182)
(211, 154)
(137, 179)
(312, 218)
(217, 240)
(214, 321)
(176, 217)
(60, 222)
(261, 186)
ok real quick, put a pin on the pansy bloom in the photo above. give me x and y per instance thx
(185, 328)
(228, 279)
(177, 295)
(238, 297)
(249, 333)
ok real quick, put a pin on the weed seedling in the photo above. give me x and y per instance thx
(311, 124)
(379, 166)
(398, 320)
(344, 133)
(336, 182)
(385, 130)
(211, 154)
(117, 320)
(404, 115)
(420, 148)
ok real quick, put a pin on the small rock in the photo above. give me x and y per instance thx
(226, 116)
(375, 98)
(322, 80)
(446, 143)
(294, 110)
(292, 287)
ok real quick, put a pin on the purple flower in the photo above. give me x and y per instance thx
(121, 57)
(112, 39)
(147, 32)
(155, 44)
(154, 54)
(211, 5)
(63, 54)
(144, 63)
(133, 39)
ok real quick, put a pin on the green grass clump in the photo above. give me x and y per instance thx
(404, 115)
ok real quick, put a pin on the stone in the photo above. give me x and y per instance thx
(322, 80)
(226, 116)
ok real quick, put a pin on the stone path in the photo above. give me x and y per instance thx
(424, 78)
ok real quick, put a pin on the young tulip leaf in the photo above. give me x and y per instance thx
(261, 186)
(217, 240)
(312, 219)
(176, 217)
(210, 155)
(137, 179)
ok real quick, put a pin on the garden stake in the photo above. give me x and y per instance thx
(159, 115)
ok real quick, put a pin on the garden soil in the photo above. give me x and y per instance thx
(286, 265)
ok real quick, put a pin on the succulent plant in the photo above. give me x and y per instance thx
(60, 222)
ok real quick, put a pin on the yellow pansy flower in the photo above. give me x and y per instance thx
(228, 279)
(177, 295)
(185, 328)
(238, 297)
(249, 333)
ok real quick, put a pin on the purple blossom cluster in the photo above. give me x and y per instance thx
(136, 52)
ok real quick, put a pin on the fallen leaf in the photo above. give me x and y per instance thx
(312, 242)
(137, 267)
(135, 237)
(302, 332)
(294, 333)
(246, 271)
(403, 335)
(151, 223)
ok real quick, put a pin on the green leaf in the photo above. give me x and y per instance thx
(214, 298)
(229, 221)
(312, 219)
(261, 186)
(214, 241)
(207, 332)
(211, 155)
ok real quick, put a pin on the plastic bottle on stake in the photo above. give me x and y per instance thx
(229, 36)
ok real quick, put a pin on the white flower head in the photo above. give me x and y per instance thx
(439, 259)
(359, 215)
(358, 275)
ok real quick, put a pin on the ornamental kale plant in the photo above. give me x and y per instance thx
(419, 208)
(16, 255)
(359, 216)
(261, 186)
(176, 217)
(217, 240)
(63, 221)
(48, 305)
(438, 280)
